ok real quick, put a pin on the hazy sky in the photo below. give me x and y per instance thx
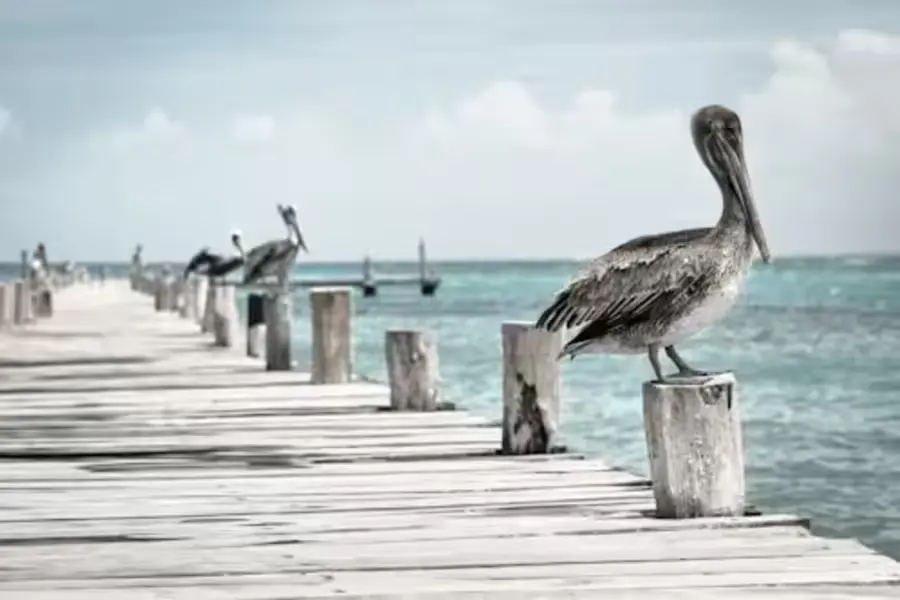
(505, 128)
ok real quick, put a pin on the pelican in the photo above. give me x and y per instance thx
(655, 291)
(277, 256)
(216, 265)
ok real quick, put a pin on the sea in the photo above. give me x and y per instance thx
(814, 342)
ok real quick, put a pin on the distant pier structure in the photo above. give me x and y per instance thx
(370, 282)
(426, 278)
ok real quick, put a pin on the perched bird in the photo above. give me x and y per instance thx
(277, 257)
(655, 291)
(216, 265)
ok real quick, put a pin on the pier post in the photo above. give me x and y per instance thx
(531, 388)
(188, 308)
(278, 314)
(695, 448)
(209, 306)
(43, 303)
(6, 300)
(332, 342)
(256, 321)
(159, 293)
(21, 302)
(412, 366)
(224, 316)
(173, 293)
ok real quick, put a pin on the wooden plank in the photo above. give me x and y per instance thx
(374, 527)
(229, 587)
(634, 562)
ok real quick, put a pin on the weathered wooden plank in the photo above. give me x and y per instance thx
(253, 414)
(630, 559)
(277, 587)
(373, 527)
(202, 393)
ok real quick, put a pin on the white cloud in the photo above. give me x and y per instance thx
(156, 127)
(823, 141)
(253, 128)
(499, 172)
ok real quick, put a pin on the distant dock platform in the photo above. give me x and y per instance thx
(427, 285)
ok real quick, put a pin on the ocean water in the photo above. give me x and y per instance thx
(815, 344)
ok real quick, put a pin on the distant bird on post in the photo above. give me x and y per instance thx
(657, 290)
(277, 257)
(216, 265)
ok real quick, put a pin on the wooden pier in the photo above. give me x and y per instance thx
(139, 460)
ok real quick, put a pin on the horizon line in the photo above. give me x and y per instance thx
(525, 259)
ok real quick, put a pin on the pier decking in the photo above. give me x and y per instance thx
(140, 462)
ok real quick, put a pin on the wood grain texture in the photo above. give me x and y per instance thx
(332, 334)
(278, 311)
(22, 303)
(6, 302)
(412, 366)
(695, 448)
(531, 388)
(225, 317)
(142, 463)
(186, 289)
(209, 305)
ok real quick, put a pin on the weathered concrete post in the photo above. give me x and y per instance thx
(332, 339)
(278, 314)
(225, 319)
(695, 448)
(21, 302)
(256, 323)
(531, 388)
(6, 301)
(412, 366)
(209, 306)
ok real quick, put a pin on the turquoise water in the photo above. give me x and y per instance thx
(815, 343)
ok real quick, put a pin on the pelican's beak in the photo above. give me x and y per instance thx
(301, 242)
(731, 158)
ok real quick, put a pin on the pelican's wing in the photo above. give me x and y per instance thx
(262, 259)
(638, 281)
(202, 257)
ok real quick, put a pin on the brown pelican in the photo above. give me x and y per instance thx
(275, 258)
(657, 290)
(216, 265)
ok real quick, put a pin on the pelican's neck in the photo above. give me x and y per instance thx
(293, 233)
(733, 215)
(240, 248)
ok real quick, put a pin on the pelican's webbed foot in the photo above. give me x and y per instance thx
(686, 373)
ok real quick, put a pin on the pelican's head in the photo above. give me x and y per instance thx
(236, 236)
(289, 214)
(719, 138)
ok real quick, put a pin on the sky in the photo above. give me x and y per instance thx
(492, 128)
